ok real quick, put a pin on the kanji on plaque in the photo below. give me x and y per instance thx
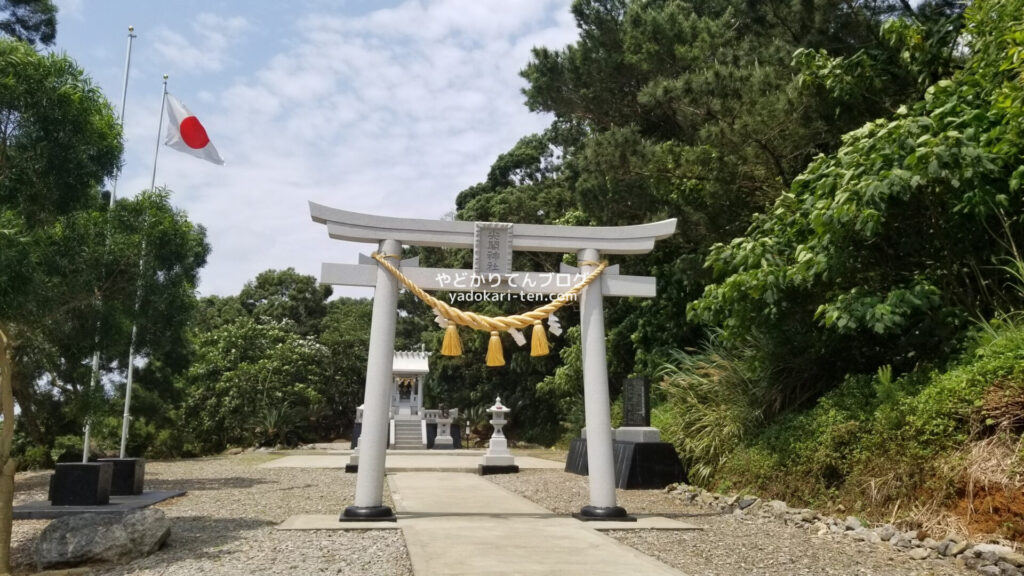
(492, 248)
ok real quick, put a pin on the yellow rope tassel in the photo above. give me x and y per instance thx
(494, 353)
(493, 324)
(539, 340)
(452, 345)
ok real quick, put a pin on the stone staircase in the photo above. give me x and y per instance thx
(408, 435)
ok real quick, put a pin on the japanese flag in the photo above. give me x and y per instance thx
(186, 133)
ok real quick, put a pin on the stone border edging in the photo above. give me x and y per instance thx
(987, 558)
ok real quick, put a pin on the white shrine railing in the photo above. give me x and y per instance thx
(431, 416)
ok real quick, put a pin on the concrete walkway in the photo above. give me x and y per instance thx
(462, 461)
(461, 524)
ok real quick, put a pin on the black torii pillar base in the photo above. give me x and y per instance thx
(367, 514)
(606, 514)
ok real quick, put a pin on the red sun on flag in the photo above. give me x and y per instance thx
(193, 133)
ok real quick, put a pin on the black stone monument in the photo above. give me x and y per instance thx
(639, 463)
(81, 484)
(129, 476)
(636, 402)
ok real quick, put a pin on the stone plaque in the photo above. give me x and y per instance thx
(492, 248)
(636, 402)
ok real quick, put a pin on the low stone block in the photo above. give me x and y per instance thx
(81, 484)
(128, 476)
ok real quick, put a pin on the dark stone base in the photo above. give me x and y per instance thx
(351, 468)
(608, 514)
(43, 510)
(129, 475)
(357, 429)
(368, 514)
(83, 484)
(638, 465)
(486, 470)
(456, 432)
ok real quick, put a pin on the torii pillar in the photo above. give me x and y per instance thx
(493, 244)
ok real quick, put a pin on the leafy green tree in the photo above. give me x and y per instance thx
(101, 248)
(276, 363)
(58, 141)
(278, 295)
(33, 21)
(697, 111)
(884, 251)
(250, 382)
(346, 336)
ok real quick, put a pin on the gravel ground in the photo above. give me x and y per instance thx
(727, 545)
(225, 524)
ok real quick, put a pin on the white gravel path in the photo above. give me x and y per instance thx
(225, 526)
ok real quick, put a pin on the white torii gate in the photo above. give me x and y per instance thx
(589, 243)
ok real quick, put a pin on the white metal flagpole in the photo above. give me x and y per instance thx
(124, 100)
(113, 196)
(126, 420)
(159, 130)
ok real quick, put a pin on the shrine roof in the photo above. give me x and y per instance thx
(411, 362)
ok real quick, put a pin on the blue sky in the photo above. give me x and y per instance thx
(379, 107)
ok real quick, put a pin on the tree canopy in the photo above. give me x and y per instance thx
(33, 21)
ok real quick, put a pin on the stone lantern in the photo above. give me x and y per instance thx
(498, 460)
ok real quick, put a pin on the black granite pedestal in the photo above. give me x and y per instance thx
(129, 476)
(638, 465)
(367, 514)
(81, 484)
(603, 514)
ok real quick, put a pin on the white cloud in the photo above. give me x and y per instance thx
(206, 49)
(69, 9)
(393, 112)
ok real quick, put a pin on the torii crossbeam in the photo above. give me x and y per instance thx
(493, 244)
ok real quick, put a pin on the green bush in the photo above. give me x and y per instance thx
(35, 458)
(878, 440)
(714, 400)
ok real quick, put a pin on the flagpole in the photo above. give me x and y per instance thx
(159, 129)
(94, 380)
(126, 420)
(124, 100)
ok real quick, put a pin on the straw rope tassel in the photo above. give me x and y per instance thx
(539, 340)
(452, 345)
(495, 357)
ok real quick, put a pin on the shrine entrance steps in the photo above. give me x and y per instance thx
(408, 435)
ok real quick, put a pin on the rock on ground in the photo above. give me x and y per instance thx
(83, 538)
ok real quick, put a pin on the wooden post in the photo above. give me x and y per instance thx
(8, 465)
